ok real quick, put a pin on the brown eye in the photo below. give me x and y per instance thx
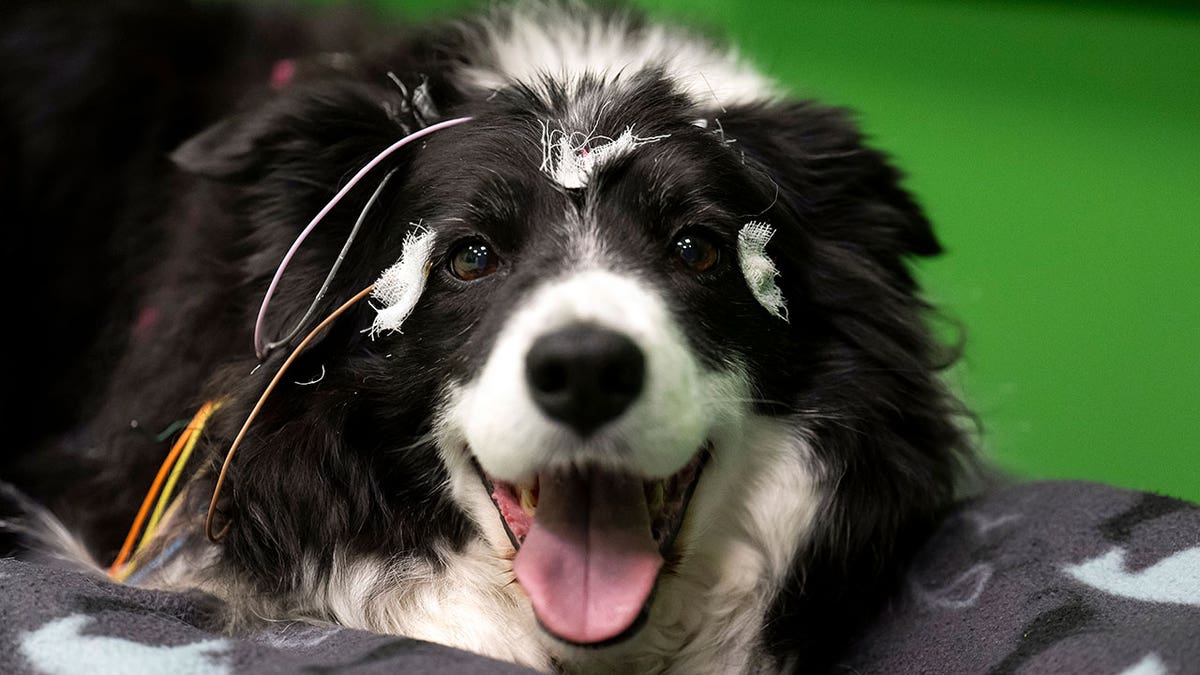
(473, 259)
(696, 252)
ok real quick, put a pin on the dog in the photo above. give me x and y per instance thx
(644, 381)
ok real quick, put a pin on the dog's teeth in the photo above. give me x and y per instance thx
(528, 501)
(656, 498)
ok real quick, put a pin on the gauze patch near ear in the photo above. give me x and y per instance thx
(759, 270)
(570, 159)
(401, 285)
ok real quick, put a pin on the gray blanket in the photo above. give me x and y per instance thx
(1033, 578)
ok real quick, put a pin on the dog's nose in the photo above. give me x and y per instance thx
(584, 375)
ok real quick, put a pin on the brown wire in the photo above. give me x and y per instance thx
(212, 504)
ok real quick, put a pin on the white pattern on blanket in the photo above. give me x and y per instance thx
(1175, 578)
(61, 648)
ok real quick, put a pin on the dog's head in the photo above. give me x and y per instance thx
(667, 333)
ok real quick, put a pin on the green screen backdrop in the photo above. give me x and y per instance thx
(1056, 146)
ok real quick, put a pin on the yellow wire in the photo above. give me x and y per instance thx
(138, 560)
(124, 573)
(196, 427)
(121, 569)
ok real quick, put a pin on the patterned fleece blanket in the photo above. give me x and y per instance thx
(1052, 577)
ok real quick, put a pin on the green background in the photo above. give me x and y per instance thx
(1056, 146)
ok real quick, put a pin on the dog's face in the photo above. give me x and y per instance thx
(606, 346)
(599, 380)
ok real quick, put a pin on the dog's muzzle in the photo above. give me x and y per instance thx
(587, 425)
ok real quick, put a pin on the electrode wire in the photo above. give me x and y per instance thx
(260, 349)
(362, 217)
(237, 441)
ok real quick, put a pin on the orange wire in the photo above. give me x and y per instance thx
(212, 504)
(127, 547)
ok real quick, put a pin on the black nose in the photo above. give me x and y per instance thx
(584, 375)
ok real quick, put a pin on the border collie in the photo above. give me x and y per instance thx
(645, 381)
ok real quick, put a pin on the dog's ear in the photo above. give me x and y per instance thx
(828, 176)
(226, 148)
(327, 120)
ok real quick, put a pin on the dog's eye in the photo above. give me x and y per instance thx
(473, 259)
(696, 252)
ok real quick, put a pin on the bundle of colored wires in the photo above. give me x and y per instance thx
(160, 494)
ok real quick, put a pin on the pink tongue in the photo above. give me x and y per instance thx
(589, 561)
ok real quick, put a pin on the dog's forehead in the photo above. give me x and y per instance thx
(635, 147)
(579, 125)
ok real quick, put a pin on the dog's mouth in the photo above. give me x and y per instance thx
(590, 545)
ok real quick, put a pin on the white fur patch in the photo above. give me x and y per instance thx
(46, 536)
(571, 158)
(467, 601)
(533, 42)
(756, 504)
(401, 285)
(760, 270)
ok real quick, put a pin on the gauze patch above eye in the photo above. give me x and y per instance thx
(401, 285)
(759, 270)
(571, 158)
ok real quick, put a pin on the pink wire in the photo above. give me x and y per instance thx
(262, 310)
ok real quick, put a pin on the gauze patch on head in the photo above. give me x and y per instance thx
(401, 285)
(571, 158)
(759, 270)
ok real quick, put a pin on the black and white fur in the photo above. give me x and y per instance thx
(355, 499)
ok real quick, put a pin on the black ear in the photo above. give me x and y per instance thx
(223, 150)
(829, 177)
(324, 120)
